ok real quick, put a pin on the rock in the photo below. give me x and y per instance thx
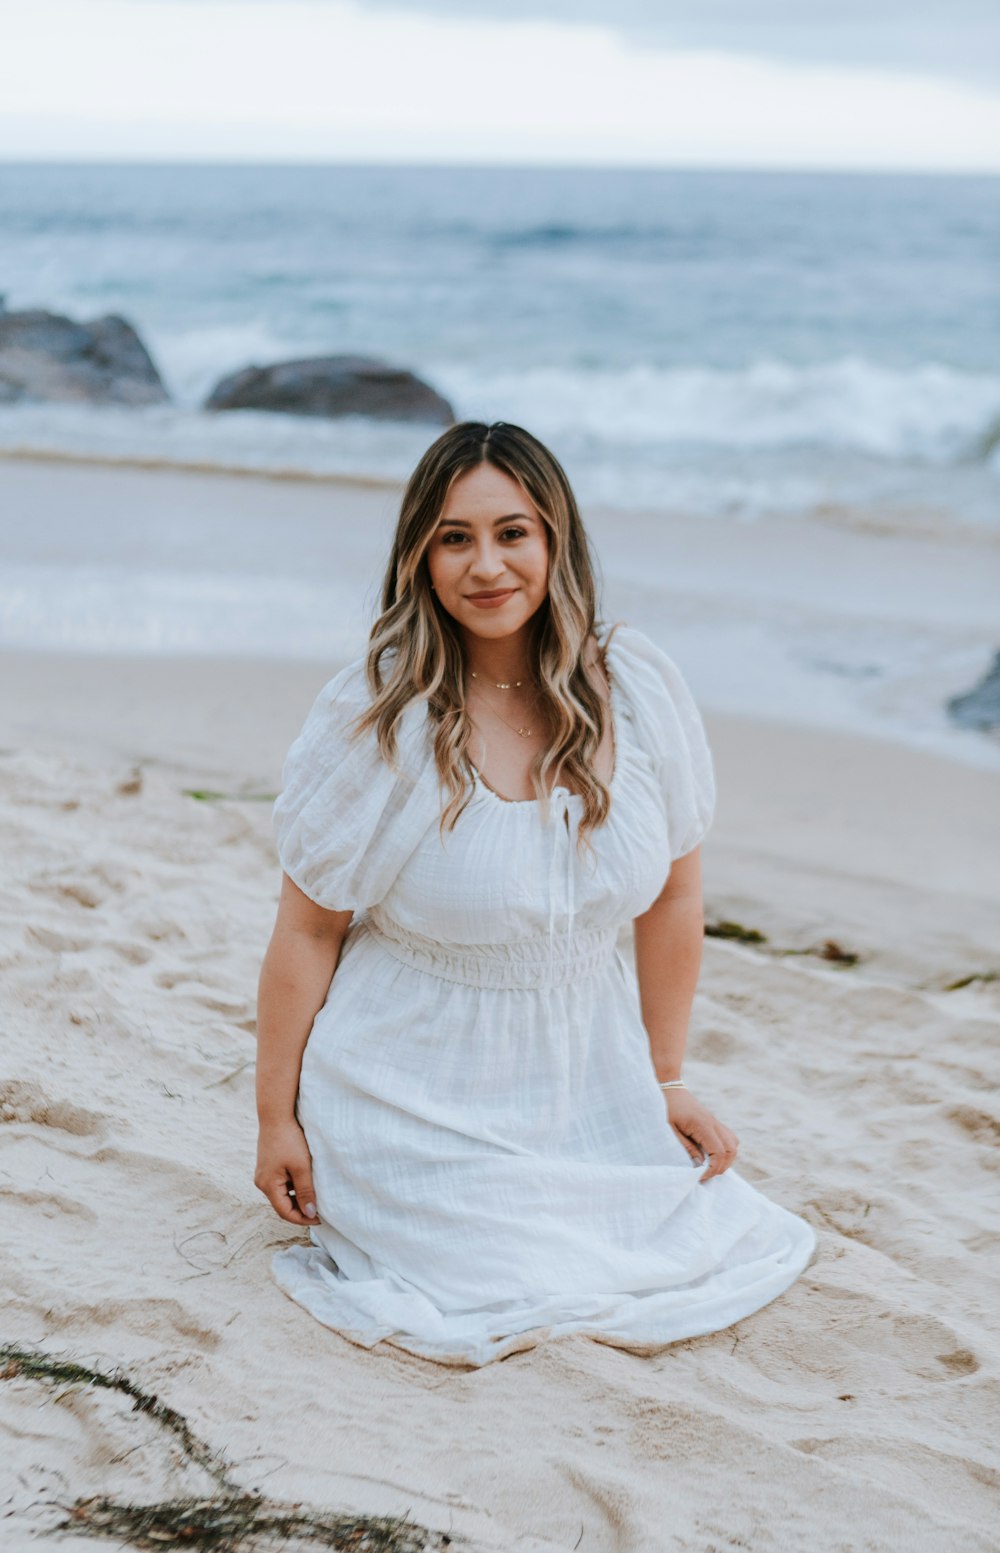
(332, 386)
(45, 356)
(980, 706)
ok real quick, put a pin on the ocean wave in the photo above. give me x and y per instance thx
(192, 359)
(931, 412)
(769, 437)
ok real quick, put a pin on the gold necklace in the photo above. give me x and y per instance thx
(524, 732)
(501, 684)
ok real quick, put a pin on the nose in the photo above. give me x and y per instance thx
(488, 562)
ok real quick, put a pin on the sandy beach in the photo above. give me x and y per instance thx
(140, 881)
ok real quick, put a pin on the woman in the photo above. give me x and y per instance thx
(464, 1093)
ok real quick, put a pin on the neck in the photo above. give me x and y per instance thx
(507, 658)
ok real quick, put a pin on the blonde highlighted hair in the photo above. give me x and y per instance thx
(415, 650)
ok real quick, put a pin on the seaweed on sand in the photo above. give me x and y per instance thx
(735, 930)
(828, 950)
(231, 1518)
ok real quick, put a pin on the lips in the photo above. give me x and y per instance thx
(494, 598)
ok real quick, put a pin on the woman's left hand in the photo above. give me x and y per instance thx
(700, 1132)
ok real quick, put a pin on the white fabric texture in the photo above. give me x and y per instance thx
(492, 1159)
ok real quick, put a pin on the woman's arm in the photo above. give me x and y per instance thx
(668, 947)
(295, 977)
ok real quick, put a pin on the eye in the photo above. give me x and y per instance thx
(513, 533)
(452, 536)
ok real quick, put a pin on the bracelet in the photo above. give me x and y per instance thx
(673, 1083)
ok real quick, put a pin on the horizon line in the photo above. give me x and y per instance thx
(433, 164)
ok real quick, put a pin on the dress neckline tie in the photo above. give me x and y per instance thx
(560, 818)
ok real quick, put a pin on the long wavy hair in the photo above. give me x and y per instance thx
(415, 650)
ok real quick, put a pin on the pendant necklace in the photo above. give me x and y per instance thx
(524, 732)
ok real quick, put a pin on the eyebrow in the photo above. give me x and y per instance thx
(511, 517)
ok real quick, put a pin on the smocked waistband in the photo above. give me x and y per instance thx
(523, 962)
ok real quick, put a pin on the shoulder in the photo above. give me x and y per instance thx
(330, 725)
(334, 762)
(668, 726)
(346, 818)
(344, 695)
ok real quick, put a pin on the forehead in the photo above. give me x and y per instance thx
(485, 493)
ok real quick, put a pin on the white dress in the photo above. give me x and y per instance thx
(492, 1160)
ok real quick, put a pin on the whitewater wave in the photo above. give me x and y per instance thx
(253, 441)
(931, 412)
(766, 437)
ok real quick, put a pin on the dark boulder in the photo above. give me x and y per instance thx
(332, 386)
(47, 356)
(980, 706)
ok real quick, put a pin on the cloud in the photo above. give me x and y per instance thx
(960, 39)
(342, 81)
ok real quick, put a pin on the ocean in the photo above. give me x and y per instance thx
(732, 344)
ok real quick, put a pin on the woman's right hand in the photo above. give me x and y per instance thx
(284, 1172)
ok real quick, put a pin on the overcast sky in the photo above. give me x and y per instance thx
(815, 83)
(957, 38)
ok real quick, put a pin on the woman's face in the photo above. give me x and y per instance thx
(489, 555)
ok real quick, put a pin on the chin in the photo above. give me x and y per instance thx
(496, 623)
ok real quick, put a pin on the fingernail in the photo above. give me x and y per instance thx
(310, 1210)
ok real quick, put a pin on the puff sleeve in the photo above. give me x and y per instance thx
(346, 821)
(670, 729)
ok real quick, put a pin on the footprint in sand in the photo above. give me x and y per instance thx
(862, 1345)
(57, 943)
(164, 1319)
(24, 1102)
(182, 982)
(980, 1125)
